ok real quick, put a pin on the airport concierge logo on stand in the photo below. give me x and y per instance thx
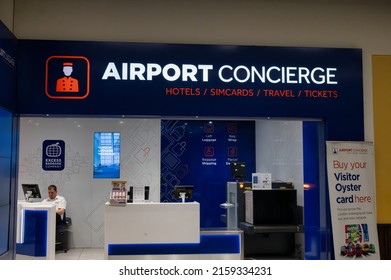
(53, 155)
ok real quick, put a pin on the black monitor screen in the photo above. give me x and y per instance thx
(275, 206)
(31, 190)
(238, 170)
(188, 190)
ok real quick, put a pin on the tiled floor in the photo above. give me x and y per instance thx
(81, 254)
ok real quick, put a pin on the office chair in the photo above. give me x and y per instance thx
(63, 233)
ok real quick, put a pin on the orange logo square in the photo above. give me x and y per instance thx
(67, 77)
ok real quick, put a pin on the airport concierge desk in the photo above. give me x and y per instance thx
(165, 231)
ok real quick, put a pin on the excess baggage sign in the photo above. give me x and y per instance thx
(53, 155)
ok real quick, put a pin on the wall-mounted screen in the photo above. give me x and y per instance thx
(107, 155)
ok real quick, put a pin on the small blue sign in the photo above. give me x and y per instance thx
(53, 155)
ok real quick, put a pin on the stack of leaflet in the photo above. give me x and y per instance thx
(118, 194)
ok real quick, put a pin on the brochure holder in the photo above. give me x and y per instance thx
(118, 194)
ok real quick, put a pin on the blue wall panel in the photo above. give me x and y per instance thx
(8, 45)
(5, 181)
(35, 233)
(4, 226)
(5, 178)
(6, 133)
(318, 243)
(8, 50)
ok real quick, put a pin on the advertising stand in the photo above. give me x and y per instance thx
(352, 200)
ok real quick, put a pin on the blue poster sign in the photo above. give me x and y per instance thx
(107, 155)
(53, 155)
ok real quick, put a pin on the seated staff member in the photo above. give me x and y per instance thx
(57, 200)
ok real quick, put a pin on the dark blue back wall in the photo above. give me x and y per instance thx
(198, 153)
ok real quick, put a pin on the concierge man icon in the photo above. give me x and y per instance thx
(67, 83)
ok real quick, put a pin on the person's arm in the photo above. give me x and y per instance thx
(60, 211)
(61, 207)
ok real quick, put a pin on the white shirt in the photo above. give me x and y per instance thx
(59, 201)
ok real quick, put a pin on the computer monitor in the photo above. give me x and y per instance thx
(238, 170)
(31, 191)
(182, 192)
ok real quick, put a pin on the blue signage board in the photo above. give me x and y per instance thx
(53, 155)
(134, 79)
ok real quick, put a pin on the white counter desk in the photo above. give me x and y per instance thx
(165, 231)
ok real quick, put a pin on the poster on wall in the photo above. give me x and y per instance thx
(107, 155)
(352, 200)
